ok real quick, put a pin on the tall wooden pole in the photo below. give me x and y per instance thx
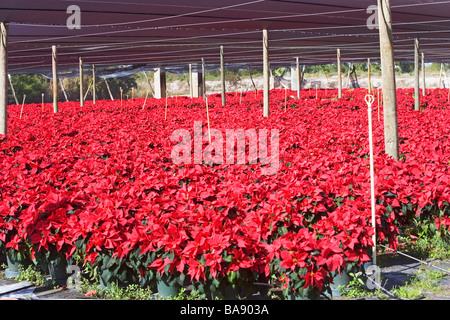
(94, 93)
(388, 78)
(3, 78)
(416, 75)
(266, 73)
(339, 73)
(423, 75)
(55, 78)
(222, 76)
(81, 83)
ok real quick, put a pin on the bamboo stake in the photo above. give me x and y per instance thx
(240, 95)
(89, 89)
(285, 99)
(207, 116)
(378, 104)
(63, 90)
(23, 102)
(121, 98)
(12, 89)
(109, 90)
(165, 113)
(42, 102)
(145, 101)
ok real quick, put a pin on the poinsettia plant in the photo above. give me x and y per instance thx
(98, 184)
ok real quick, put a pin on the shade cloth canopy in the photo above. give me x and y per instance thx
(174, 33)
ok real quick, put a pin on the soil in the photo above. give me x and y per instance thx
(396, 271)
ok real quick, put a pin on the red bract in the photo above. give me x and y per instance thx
(100, 180)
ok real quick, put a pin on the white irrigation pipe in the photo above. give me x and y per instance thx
(370, 100)
(418, 260)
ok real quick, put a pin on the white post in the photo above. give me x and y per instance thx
(55, 79)
(203, 79)
(81, 83)
(222, 76)
(94, 96)
(416, 75)
(299, 78)
(3, 78)
(266, 73)
(369, 100)
(191, 89)
(339, 73)
(423, 75)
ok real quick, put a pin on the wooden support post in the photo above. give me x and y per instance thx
(160, 83)
(388, 79)
(3, 78)
(339, 73)
(369, 76)
(55, 78)
(12, 89)
(222, 77)
(416, 75)
(197, 85)
(81, 83)
(423, 75)
(266, 73)
(94, 92)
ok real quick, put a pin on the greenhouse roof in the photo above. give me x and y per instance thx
(173, 33)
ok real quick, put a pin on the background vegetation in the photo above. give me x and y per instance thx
(33, 86)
